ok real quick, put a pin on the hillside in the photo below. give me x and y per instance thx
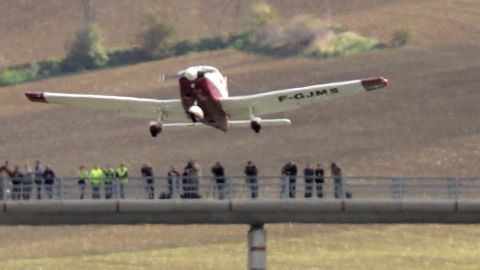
(425, 123)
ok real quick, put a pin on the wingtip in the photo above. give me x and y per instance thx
(374, 83)
(36, 97)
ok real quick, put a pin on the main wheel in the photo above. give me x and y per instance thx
(155, 130)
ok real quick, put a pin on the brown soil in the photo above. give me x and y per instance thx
(425, 123)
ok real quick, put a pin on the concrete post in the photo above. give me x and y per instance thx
(257, 247)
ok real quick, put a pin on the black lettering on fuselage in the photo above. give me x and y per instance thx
(299, 96)
(321, 92)
(310, 94)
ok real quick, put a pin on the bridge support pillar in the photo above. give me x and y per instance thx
(257, 247)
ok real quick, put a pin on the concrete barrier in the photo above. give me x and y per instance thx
(261, 211)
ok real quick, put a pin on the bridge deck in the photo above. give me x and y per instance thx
(238, 211)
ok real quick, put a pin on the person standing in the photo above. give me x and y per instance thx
(191, 180)
(173, 181)
(96, 177)
(109, 174)
(251, 174)
(319, 180)
(82, 180)
(5, 174)
(38, 171)
(195, 175)
(27, 182)
(49, 180)
(308, 174)
(290, 172)
(219, 174)
(186, 181)
(147, 174)
(122, 174)
(17, 178)
(336, 173)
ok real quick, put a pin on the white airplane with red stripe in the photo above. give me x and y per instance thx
(204, 101)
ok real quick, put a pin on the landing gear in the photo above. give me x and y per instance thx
(255, 121)
(255, 125)
(155, 129)
(156, 126)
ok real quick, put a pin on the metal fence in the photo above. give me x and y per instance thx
(396, 188)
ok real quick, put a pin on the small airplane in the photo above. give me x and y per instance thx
(204, 101)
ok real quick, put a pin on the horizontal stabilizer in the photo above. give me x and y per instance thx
(263, 122)
(236, 123)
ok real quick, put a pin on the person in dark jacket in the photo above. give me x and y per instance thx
(38, 172)
(308, 174)
(219, 174)
(147, 174)
(251, 174)
(319, 180)
(27, 182)
(290, 171)
(17, 179)
(336, 173)
(173, 182)
(49, 180)
(191, 180)
(82, 180)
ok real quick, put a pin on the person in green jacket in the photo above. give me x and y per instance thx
(96, 178)
(122, 174)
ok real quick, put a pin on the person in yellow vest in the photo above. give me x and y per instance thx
(122, 174)
(96, 178)
(83, 175)
(109, 174)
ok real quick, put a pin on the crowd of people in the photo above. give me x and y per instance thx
(185, 185)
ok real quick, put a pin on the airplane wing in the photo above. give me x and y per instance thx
(171, 109)
(242, 107)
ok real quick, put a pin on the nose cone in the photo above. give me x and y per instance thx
(191, 73)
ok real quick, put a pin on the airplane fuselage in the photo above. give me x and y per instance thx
(201, 88)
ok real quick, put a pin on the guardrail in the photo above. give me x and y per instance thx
(395, 188)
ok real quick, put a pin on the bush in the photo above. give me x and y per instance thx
(49, 67)
(261, 14)
(16, 75)
(211, 43)
(184, 47)
(343, 44)
(120, 57)
(401, 37)
(289, 38)
(87, 52)
(159, 40)
(243, 41)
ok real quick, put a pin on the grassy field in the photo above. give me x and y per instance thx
(290, 246)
